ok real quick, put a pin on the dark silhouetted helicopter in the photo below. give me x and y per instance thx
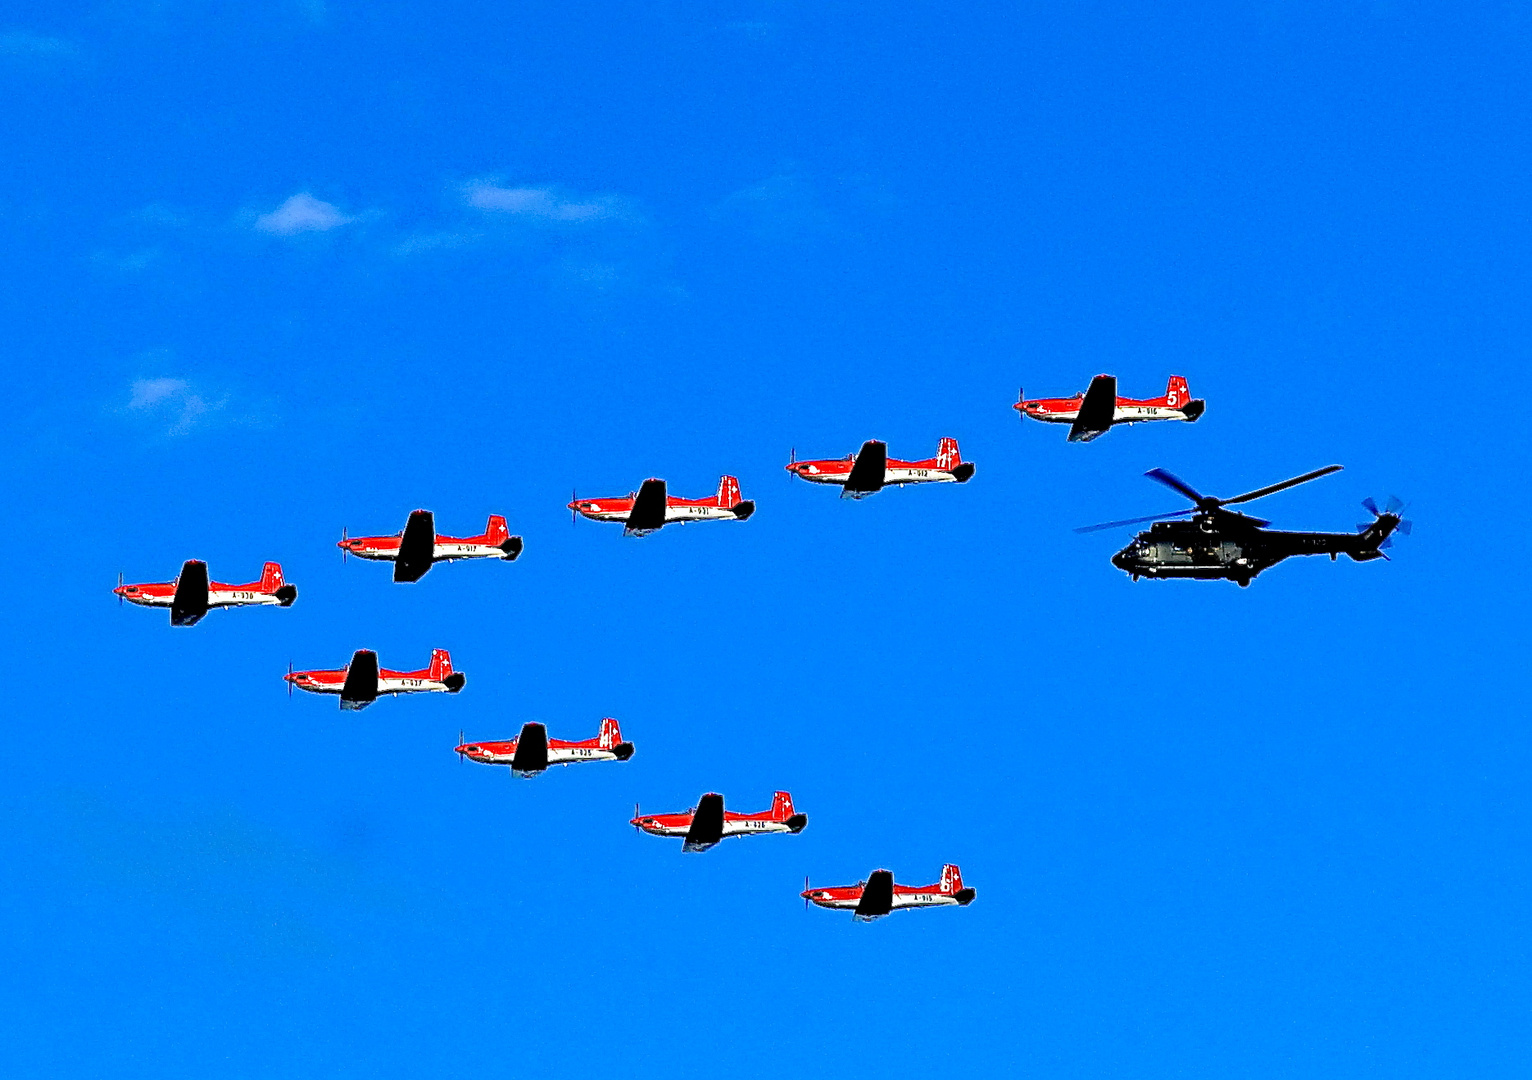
(1218, 543)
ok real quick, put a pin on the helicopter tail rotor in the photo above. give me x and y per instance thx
(1386, 520)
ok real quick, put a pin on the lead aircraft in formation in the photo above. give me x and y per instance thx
(1096, 411)
(879, 894)
(708, 822)
(870, 469)
(651, 508)
(191, 595)
(418, 547)
(362, 681)
(532, 751)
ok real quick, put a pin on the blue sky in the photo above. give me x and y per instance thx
(295, 267)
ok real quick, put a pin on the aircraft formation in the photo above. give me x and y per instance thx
(1206, 542)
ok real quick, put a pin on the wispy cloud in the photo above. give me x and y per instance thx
(543, 204)
(173, 402)
(36, 46)
(784, 206)
(302, 213)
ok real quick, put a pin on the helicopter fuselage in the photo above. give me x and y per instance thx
(1207, 548)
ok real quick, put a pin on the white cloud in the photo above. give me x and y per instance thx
(147, 392)
(172, 401)
(21, 43)
(541, 204)
(784, 206)
(302, 213)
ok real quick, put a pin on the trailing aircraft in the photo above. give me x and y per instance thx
(418, 547)
(708, 822)
(361, 682)
(650, 509)
(870, 469)
(878, 895)
(532, 751)
(1094, 412)
(191, 595)
(1221, 543)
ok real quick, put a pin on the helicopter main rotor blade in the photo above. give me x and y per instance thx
(1175, 483)
(1134, 521)
(1272, 489)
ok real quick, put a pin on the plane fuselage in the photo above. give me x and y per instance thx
(389, 682)
(218, 595)
(386, 548)
(896, 472)
(1127, 410)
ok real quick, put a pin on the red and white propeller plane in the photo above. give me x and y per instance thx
(1094, 412)
(361, 682)
(418, 547)
(708, 822)
(878, 895)
(532, 751)
(870, 469)
(650, 509)
(191, 595)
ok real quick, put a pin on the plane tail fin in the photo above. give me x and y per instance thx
(1177, 393)
(948, 456)
(271, 577)
(952, 880)
(781, 806)
(611, 734)
(496, 532)
(728, 492)
(441, 665)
